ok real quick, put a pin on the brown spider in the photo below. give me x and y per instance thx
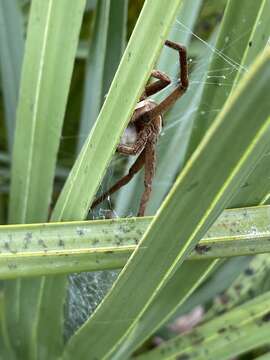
(145, 126)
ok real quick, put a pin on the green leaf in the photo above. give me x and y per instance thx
(192, 185)
(93, 86)
(252, 192)
(90, 166)
(11, 55)
(116, 43)
(59, 248)
(256, 187)
(239, 18)
(6, 351)
(227, 336)
(51, 44)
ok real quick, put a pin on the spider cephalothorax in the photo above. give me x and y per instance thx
(145, 126)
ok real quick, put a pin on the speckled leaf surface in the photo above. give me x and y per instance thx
(243, 329)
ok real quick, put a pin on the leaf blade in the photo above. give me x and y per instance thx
(11, 55)
(107, 244)
(46, 76)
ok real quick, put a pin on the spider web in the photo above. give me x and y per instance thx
(86, 290)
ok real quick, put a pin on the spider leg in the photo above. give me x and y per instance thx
(150, 164)
(136, 167)
(180, 89)
(182, 61)
(155, 87)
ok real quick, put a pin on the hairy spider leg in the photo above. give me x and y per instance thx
(149, 172)
(182, 60)
(136, 167)
(169, 101)
(155, 87)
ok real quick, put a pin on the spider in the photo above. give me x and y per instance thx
(144, 127)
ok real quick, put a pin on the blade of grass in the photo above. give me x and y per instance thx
(258, 38)
(235, 333)
(60, 172)
(255, 189)
(6, 351)
(48, 63)
(115, 45)
(87, 173)
(11, 55)
(252, 192)
(192, 185)
(92, 94)
(237, 28)
(117, 37)
(97, 245)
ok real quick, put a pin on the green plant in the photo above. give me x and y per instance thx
(214, 155)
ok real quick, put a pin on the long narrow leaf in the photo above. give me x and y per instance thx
(239, 18)
(95, 71)
(107, 244)
(252, 192)
(6, 351)
(11, 55)
(117, 37)
(52, 38)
